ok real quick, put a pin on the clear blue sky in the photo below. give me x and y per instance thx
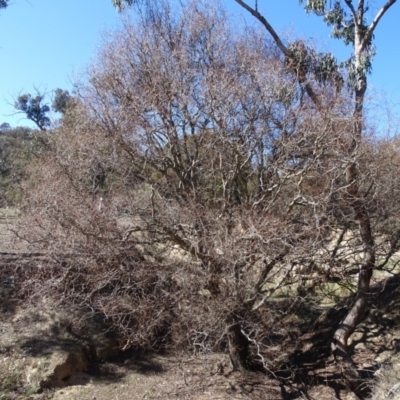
(46, 43)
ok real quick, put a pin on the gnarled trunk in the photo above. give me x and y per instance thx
(352, 319)
(239, 351)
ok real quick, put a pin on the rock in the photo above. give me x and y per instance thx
(351, 396)
(383, 357)
(55, 371)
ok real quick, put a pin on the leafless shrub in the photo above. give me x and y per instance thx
(194, 181)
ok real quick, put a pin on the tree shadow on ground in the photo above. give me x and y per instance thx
(139, 361)
(111, 370)
(313, 367)
(116, 368)
(311, 364)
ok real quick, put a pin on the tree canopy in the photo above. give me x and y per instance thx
(62, 100)
(34, 109)
(37, 110)
(4, 3)
(120, 4)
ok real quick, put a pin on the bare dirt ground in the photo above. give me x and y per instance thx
(171, 377)
(29, 337)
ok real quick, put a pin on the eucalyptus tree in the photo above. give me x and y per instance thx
(62, 100)
(3, 3)
(349, 23)
(34, 108)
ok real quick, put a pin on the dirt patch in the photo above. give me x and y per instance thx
(33, 339)
(197, 377)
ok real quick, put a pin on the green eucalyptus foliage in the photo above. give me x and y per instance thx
(3, 3)
(335, 15)
(365, 67)
(323, 66)
(120, 4)
(62, 100)
(316, 6)
(34, 109)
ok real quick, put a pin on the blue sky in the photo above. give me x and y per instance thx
(48, 43)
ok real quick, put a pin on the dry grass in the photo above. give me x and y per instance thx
(388, 381)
